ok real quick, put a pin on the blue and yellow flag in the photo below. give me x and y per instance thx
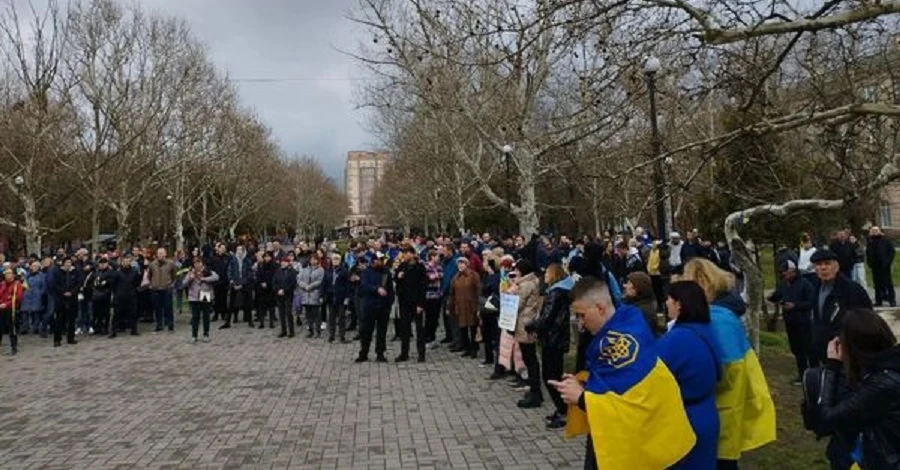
(746, 410)
(635, 413)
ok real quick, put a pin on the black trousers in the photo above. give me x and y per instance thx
(490, 334)
(659, 292)
(374, 320)
(529, 357)
(285, 314)
(467, 335)
(451, 329)
(101, 315)
(8, 327)
(408, 317)
(353, 308)
(432, 318)
(241, 299)
(337, 321)
(314, 322)
(552, 360)
(800, 340)
(200, 311)
(125, 317)
(65, 314)
(220, 302)
(884, 285)
(265, 306)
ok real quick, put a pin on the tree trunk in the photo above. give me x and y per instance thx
(124, 230)
(460, 217)
(32, 228)
(526, 212)
(204, 219)
(95, 226)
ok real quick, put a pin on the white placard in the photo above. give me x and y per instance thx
(509, 311)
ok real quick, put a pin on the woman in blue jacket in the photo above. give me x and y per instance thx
(33, 300)
(689, 350)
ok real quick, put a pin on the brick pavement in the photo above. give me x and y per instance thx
(248, 400)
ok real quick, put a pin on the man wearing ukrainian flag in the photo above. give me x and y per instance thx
(635, 415)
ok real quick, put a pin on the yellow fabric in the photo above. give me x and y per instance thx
(653, 262)
(746, 410)
(640, 429)
(576, 419)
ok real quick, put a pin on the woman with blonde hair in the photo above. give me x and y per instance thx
(746, 410)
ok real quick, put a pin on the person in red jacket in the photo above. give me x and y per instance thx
(11, 290)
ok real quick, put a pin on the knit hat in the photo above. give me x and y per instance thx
(642, 284)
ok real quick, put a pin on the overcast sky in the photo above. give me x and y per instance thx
(311, 111)
(287, 39)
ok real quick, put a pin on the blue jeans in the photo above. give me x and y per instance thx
(162, 308)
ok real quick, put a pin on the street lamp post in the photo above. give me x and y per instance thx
(507, 153)
(660, 190)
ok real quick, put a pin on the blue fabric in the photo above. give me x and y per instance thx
(566, 284)
(614, 290)
(350, 260)
(690, 351)
(32, 298)
(370, 280)
(729, 331)
(608, 375)
(449, 273)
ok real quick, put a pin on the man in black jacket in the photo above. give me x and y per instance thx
(283, 284)
(844, 252)
(834, 295)
(411, 301)
(880, 256)
(336, 286)
(126, 282)
(218, 263)
(102, 295)
(67, 284)
(795, 295)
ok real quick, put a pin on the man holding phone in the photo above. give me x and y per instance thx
(634, 409)
(795, 296)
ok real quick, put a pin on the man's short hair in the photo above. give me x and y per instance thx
(591, 289)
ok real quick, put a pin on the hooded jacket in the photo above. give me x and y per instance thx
(872, 410)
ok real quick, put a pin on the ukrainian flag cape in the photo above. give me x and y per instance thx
(746, 410)
(635, 413)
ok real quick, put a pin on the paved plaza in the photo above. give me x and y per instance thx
(248, 400)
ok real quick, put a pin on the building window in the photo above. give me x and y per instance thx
(884, 215)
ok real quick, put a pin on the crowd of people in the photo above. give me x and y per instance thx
(664, 374)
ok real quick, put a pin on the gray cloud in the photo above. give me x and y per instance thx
(284, 39)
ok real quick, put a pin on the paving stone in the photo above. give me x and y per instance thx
(249, 400)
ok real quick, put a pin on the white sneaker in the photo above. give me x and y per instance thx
(193, 340)
(78, 331)
(324, 326)
(206, 339)
(91, 330)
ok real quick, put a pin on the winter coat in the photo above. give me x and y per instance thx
(846, 255)
(34, 299)
(285, 279)
(434, 275)
(103, 284)
(240, 271)
(201, 286)
(371, 280)
(529, 305)
(553, 323)
(11, 294)
(309, 285)
(263, 275)
(219, 264)
(544, 257)
(464, 297)
(845, 295)
(449, 268)
(880, 253)
(126, 282)
(800, 293)
(411, 285)
(872, 409)
(67, 282)
(162, 275)
(336, 285)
